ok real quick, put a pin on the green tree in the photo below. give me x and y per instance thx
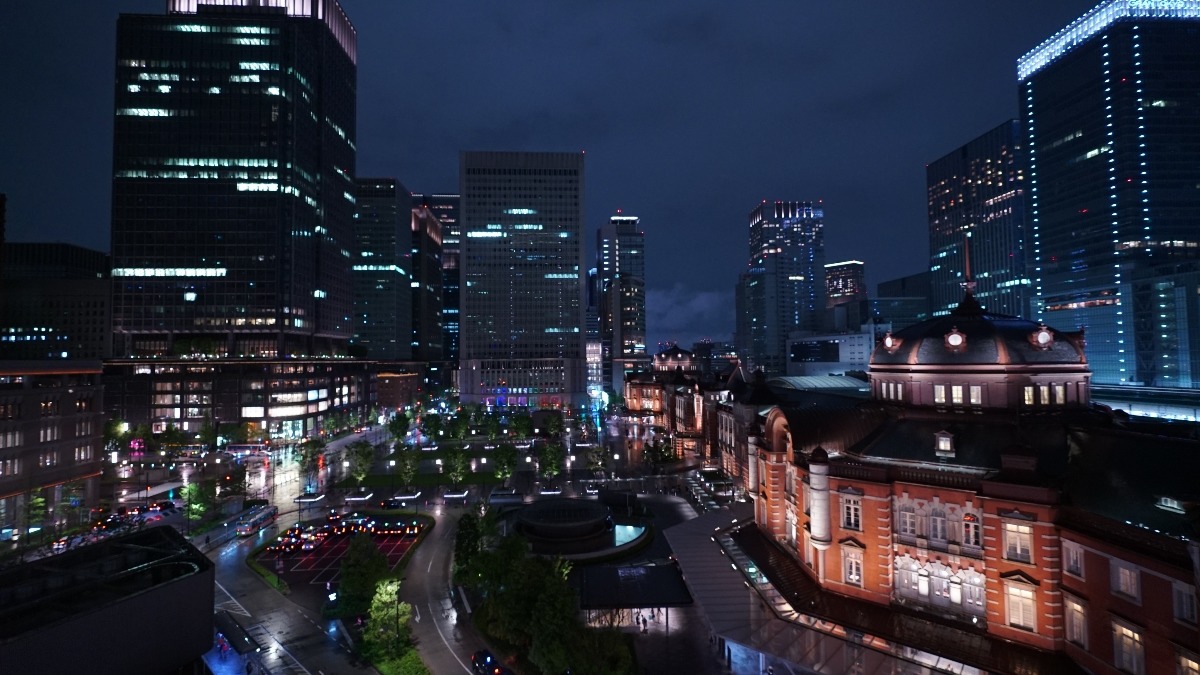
(504, 460)
(521, 424)
(35, 515)
(431, 425)
(363, 566)
(459, 426)
(199, 499)
(554, 626)
(457, 465)
(209, 433)
(312, 450)
(491, 426)
(550, 458)
(233, 480)
(387, 635)
(116, 435)
(173, 436)
(407, 460)
(397, 427)
(467, 543)
(362, 457)
(554, 425)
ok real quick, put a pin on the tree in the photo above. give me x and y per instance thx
(362, 457)
(467, 543)
(459, 426)
(209, 433)
(35, 514)
(550, 458)
(398, 427)
(173, 436)
(456, 465)
(431, 425)
(387, 635)
(521, 424)
(363, 566)
(199, 498)
(407, 460)
(491, 426)
(312, 452)
(554, 425)
(504, 460)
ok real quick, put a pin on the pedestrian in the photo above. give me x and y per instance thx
(206, 539)
(249, 666)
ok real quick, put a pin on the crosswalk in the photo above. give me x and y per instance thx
(273, 657)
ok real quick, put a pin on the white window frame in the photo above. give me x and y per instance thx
(1126, 579)
(852, 566)
(1075, 621)
(939, 393)
(907, 522)
(1185, 603)
(1187, 663)
(972, 531)
(1020, 604)
(956, 394)
(1129, 652)
(852, 513)
(1029, 400)
(937, 525)
(1018, 542)
(1073, 559)
(976, 394)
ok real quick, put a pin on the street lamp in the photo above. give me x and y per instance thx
(392, 478)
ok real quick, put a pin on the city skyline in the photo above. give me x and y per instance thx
(677, 74)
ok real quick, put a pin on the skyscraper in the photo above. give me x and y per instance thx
(233, 189)
(232, 216)
(426, 284)
(522, 340)
(383, 270)
(978, 191)
(783, 289)
(445, 208)
(621, 282)
(1112, 127)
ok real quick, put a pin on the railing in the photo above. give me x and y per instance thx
(947, 479)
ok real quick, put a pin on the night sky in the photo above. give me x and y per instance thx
(690, 113)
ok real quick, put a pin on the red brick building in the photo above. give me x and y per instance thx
(979, 491)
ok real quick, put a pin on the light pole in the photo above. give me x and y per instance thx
(391, 478)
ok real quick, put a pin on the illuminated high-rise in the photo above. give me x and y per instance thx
(233, 179)
(621, 284)
(383, 270)
(978, 192)
(522, 316)
(783, 288)
(1111, 124)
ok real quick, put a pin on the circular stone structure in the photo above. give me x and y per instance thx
(566, 526)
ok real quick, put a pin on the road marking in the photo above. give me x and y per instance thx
(430, 566)
(418, 611)
(447, 643)
(230, 605)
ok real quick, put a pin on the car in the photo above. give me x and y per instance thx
(60, 545)
(482, 662)
(165, 505)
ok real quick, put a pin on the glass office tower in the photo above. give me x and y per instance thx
(621, 279)
(233, 189)
(1112, 125)
(383, 270)
(522, 339)
(978, 191)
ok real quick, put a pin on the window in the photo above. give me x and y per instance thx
(1028, 395)
(852, 566)
(1185, 603)
(1060, 394)
(974, 595)
(1125, 579)
(1076, 616)
(851, 513)
(976, 394)
(1021, 612)
(1127, 648)
(1187, 663)
(908, 521)
(943, 444)
(1018, 540)
(970, 535)
(899, 391)
(1044, 394)
(937, 525)
(956, 394)
(939, 393)
(1073, 558)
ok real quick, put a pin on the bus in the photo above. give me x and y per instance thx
(241, 450)
(258, 518)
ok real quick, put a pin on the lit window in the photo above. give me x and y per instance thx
(1187, 663)
(1018, 541)
(1073, 558)
(852, 566)
(943, 444)
(1126, 579)
(1044, 394)
(899, 391)
(1127, 648)
(1028, 395)
(1060, 394)
(956, 394)
(851, 513)
(939, 393)
(970, 530)
(1021, 608)
(976, 394)
(1076, 622)
(1185, 603)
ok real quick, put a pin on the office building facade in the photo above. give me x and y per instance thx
(977, 192)
(522, 316)
(56, 302)
(233, 189)
(783, 288)
(1112, 129)
(621, 291)
(426, 285)
(445, 208)
(383, 270)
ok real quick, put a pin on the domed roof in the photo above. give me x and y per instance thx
(969, 335)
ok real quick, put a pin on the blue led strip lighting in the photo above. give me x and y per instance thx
(1097, 19)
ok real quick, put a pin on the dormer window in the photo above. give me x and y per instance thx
(1170, 504)
(944, 444)
(891, 343)
(1041, 338)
